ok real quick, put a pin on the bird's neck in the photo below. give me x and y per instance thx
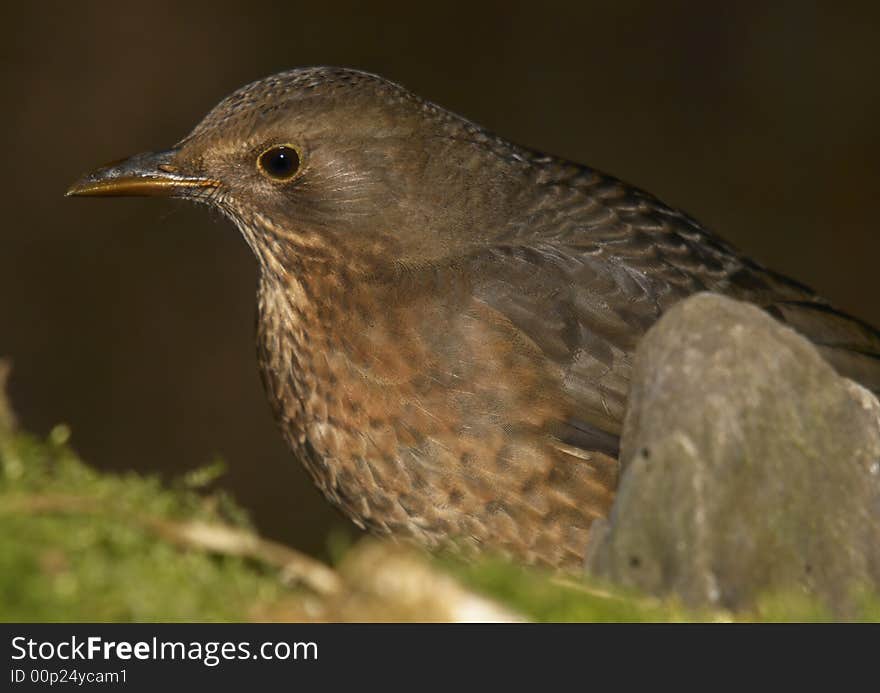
(294, 318)
(310, 301)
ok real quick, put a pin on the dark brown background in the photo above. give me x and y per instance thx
(132, 320)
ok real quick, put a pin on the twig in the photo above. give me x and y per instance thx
(213, 537)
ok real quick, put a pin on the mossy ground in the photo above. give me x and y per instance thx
(76, 545)
(79, 545)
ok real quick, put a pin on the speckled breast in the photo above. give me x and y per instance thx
(420, 418)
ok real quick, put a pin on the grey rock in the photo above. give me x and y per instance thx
(749, 467)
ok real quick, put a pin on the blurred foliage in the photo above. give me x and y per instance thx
(545, 598)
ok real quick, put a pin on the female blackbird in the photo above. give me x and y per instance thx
(447, 320)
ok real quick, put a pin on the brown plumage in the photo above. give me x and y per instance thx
(447, 320)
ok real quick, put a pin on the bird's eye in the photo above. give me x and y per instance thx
(279, 162)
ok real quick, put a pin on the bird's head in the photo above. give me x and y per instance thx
(334, 158)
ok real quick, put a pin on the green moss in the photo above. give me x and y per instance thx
(76, 545)
(543, 597)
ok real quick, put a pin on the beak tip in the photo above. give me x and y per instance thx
(91, 184)
(83, 187)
